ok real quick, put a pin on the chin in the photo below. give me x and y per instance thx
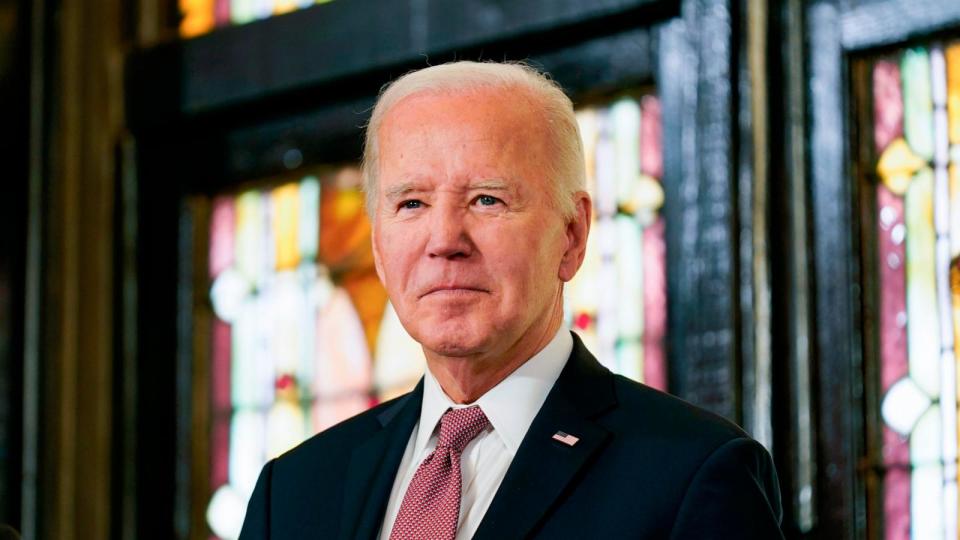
(451, 338)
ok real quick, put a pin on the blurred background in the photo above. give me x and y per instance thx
(187, 289)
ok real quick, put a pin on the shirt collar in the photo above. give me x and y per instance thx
(512, 404)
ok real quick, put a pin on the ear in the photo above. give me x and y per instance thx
(577, 231)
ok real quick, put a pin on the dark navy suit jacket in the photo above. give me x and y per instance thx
(647, 465)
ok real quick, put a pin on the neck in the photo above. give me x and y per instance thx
(465, 378)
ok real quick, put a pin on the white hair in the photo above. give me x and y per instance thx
(566, 168)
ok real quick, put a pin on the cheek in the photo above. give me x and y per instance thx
(530, 262)
(394, 259)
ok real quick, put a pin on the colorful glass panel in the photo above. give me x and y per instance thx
(624, 325)
(298, 311)
(201, 16)
(918, 228)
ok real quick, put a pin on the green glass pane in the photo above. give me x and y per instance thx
(250, 248)
(247, 438)
(629, 260)
(918, 101)
(605, 197)
(283, 312)
(922, 319)
(252, 372)
(312, 287)
(309, 217)
(926, 483)
(625, 123)
(243, 11)
(630, 360)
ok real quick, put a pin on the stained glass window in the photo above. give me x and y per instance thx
(201, 16)
(618, 301)
(916, 135)
(303, 335)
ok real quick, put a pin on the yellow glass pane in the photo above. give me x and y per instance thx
(953, 91)
(398, 359)
(286, 423)
(955, 308)
(286, 225)
(198, 17)
(897, 166)
(284, 6)
(954, 191)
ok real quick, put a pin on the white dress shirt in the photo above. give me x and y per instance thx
(510, 406)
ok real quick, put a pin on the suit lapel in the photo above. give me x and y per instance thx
(373, 467)
(543, 467)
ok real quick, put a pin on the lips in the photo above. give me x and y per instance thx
(453, 290)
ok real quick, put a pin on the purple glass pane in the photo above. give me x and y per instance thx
(887, 104)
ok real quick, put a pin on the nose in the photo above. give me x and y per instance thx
(449, 237)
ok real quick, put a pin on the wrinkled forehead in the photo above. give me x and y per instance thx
(497, 105)
(486, 119)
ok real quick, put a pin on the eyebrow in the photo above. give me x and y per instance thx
(492, 184)
(401, 190)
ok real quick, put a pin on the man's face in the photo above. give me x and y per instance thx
(466, 240)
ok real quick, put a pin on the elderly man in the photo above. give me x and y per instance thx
(474, 176)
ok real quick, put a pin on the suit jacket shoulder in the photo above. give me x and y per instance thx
(645, 465)
(646, 414)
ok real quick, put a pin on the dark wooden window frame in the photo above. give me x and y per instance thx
(837, 33)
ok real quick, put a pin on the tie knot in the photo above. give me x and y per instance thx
(459, 426)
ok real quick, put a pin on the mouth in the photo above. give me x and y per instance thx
(453, 290)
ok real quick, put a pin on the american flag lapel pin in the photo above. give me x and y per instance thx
(565, 438)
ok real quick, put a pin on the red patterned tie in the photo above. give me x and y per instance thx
(431, 506)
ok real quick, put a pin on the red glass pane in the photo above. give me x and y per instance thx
(220, 450)
(222, 232)
(891, 254)
(887, 104)
(221, 12)
(651, 137)
(220, 403)
(893, 296)
(220, 367)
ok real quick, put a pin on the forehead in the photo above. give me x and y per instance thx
(495, 103)
(494, 126)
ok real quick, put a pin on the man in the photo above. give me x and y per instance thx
(474, 178)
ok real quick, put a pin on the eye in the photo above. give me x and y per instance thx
(411, 204)
(487, 200)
